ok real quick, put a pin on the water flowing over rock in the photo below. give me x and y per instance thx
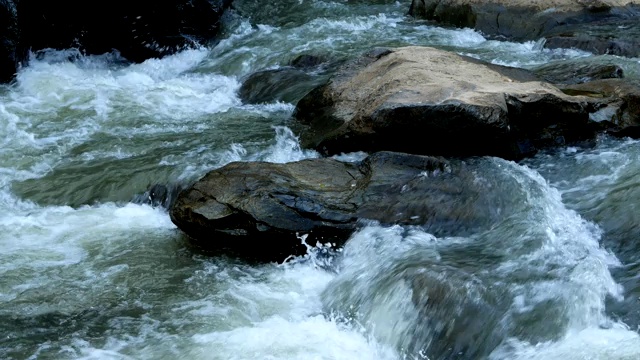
(286, 84)
(578, 71)
(259, 210)
(139, 30)
(600, 26)
(426, 101)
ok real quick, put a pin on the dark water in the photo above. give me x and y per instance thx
(88, 273)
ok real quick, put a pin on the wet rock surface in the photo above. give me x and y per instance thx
(599, 26)
(426, 101)
(261, 210)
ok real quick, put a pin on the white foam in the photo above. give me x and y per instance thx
(265, 109)
(287, 148)
(279, 338)
(351, 157)
(618, 343)
(284, 322)
(156, 86)
(356, 24)
(40, 238)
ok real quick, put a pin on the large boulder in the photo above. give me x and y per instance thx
(601, 26)
(427, 101)
(262, 210)
(138, 29)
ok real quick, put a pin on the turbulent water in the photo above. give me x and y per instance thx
(88, 271)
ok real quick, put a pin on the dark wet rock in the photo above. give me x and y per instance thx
(618, 101)
(564, 23)
(426, 101)
(259, 210)
(139, 30)
(612, 36)
(577, 71)
(9, 34)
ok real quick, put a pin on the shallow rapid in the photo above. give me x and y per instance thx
(91, 272)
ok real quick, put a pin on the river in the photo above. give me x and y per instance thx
(88, 271)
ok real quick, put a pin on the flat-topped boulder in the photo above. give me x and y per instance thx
(260, 211)
(427, 101)
(600, 26)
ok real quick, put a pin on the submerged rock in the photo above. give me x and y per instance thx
(592, 25)
(461, 315)
(262, 210)
(307, 61)
(427, 101)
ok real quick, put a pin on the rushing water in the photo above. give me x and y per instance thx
(87, 272)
